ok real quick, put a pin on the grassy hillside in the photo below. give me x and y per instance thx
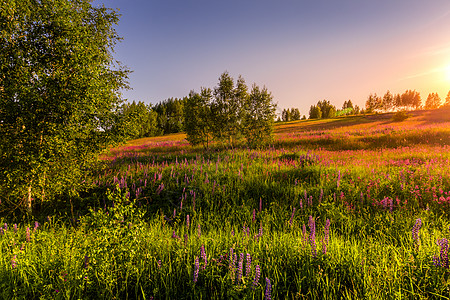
(349, 208)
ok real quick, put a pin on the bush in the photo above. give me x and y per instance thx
(400, 116)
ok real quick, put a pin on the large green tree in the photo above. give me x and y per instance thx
(197, 117)
(59, 94)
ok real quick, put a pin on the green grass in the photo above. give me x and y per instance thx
(131, 238)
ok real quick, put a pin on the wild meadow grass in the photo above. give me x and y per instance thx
(364, 216)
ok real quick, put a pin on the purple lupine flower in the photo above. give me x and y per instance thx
(326, 230)
(86, 262)
(28, 235)
(257, 275)
(444, 253)
(159, 262)
(6, 226)
(304, 234)
(338, 179)
(240, 267)
(248, 265)
(187, 222)
(174, 213)
(268, 290)
(321, 195)
(415, 232)
(203, 254)
(14, 262)
(292, 217)
(196, 269)
(175, 236)
(15, 228)
(312, 236)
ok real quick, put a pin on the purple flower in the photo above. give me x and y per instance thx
(36, 225)
(15, 228)
(187, 222)
(14, 262)
(6, 226)
(326, 236)
(254, 216)
(248, 265)
(175, 236)
(28, 235)
(268, 290)
(203, 254)
(159, 262)
(312, 236)
(86, 262)
(257, 275)
(292, 217)
(415, 232)
(240, 267)
(444, 253)
(196, 269)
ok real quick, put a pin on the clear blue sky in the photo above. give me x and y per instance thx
(302, 51)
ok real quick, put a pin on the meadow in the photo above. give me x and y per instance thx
(347, 208)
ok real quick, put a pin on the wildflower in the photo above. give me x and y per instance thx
(159, 264)
(203, 254)
(28, 235)
(248, 265)
(36, 225)
(257, 275)
(312, 235)
(326, 237)
(187, 222)
(240, 267)
(268, 290)
(254, 216)
(196, 269)
(444, 253)
(292, 217)
(86, 262)
(15, 228)
(321, 195)
(14, 262)
(175, 236)
(415, 232)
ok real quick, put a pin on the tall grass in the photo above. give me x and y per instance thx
(167, 221)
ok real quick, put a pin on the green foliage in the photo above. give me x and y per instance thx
(433, 101)
(400, 116)
(170, 115)
(315, 112)
(230, 113)
(141, 120)
(259, 117)
(59, 97)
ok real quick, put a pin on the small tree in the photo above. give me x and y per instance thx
(411, 99)
(197, 117)
(373, 103)
(447, 100)
(315, 112)
(433, 101)
(259, 117)
(295, 114)
(388, 101)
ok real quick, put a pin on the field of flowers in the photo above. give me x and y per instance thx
(352, 208)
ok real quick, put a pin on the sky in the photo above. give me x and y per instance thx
(302, 51)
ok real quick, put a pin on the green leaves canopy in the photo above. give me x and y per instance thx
(59, 92)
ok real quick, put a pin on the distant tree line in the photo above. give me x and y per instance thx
(409, 100)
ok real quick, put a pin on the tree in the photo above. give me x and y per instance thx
(286, 115)
(295, 114)
(170, 115)
(388, 101)
(328, 110)
(259, 117)
(411, 99)
(197, 116)
(225, 109)
(447, 100)
(60, 99)
(315, 112)
(373, 103)
(433, 101)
